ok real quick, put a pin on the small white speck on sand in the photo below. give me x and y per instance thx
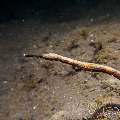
(23, 20)
(115, 51)
(34, 107)
(5, 82)
(12, 89)
(91, 35)
(91, 20)
(70, 97)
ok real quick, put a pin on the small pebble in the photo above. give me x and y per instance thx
(5, 82)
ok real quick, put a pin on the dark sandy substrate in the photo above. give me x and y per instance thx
(36, 89)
